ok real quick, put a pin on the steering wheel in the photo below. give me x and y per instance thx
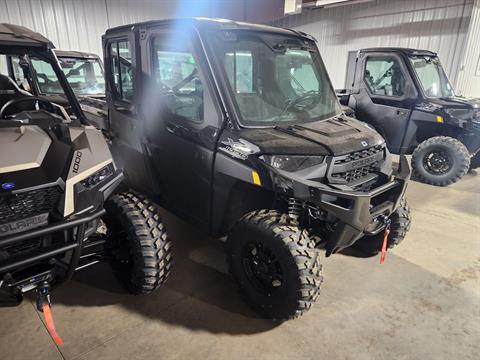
(304, 102)
(48, 105)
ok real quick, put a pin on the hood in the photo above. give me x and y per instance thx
(456, 102)
(335, 136)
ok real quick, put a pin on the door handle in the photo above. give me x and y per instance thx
(172, 128)
(123, 107)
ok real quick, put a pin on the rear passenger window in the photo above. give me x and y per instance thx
(384, 76)
(122, 70)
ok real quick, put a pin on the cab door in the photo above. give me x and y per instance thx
(181, 120)
(123, 80)
(385, 96)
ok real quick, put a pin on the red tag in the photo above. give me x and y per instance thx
(51, 325)
(384, 244)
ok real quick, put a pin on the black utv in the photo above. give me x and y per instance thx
(236, 127)
(59, 212)
(406, 96)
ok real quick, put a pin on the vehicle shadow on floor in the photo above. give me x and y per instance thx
(199, 283)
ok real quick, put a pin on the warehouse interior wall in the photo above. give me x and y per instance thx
(468, 83)
(79, 24)
(436, 25)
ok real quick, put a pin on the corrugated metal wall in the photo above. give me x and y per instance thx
(437, 25)
(79, 24)
(468, 83)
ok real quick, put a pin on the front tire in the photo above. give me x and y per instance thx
(138, 241)
(401, 220)
(440, 161)
(276, 266)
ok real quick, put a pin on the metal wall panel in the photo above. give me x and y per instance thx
(79, 24)
(437, 25)
(468, 83)
(76, 25)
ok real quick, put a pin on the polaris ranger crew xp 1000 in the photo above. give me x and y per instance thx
(236, 127)
(57, 177)
(406, 96)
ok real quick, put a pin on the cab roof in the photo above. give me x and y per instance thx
(75, 54)
(211, 24)
(406, 51)
(15, 35)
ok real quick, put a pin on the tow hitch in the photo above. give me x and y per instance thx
(44, 305)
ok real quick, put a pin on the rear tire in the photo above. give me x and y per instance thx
(276, 267)
(440, 161)
(141, 249)
(475, 161)
(400, 225)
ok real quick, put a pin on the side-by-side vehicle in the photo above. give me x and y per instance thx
(59, 212)
(236, 128)
(407, 97)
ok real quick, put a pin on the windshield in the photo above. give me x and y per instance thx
(85, 76)
(275, 79)
(47, 80)
(433, 79)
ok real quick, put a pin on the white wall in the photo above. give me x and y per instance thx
(437, 25)
(468, 83)
(79, 24)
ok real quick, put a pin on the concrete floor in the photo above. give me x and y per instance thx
(423, 303)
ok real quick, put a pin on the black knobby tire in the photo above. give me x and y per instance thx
(475, 161)
(455, 157)
(294, 254)
(141, 250)
(400, 222)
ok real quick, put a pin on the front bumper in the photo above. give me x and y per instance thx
(63, 246)
(357, 213)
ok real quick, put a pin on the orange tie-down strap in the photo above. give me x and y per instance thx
(47, 313)
(384, 244)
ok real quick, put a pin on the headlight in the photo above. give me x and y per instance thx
(292, 162)
(476, 115)
(98, 177)
(461, 114)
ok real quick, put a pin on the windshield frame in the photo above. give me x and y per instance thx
(219, 73)
(419, 81)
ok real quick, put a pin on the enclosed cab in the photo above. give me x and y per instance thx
(236, 128)
(407, 97)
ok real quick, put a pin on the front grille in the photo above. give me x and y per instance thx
(355, 166)
(359, 154)
(355, 174)
(29, 203)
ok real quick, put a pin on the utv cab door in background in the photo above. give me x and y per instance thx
(181, 121)
(384, 96)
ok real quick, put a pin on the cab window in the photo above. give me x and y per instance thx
(122, 70)
(47, 79)
(384, 76)
(176, 73)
